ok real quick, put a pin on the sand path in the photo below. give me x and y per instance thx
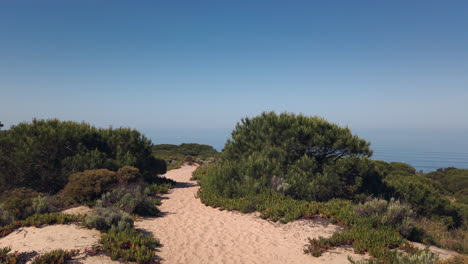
(194, 233)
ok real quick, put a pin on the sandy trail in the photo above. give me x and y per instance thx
(194, 233)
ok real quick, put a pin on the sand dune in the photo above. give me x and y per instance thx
(194, 233)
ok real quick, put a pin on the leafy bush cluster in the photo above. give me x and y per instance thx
(176, 155)
(104, 219)
(91, 184)
(302, 157)
(42, 154)
(58, 256)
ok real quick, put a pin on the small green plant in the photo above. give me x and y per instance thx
(130, 245)
(58, 256)
(105, 219)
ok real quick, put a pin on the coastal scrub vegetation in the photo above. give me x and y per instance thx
(289, 166)
(42, 154)
(48, 165)
(176, 155)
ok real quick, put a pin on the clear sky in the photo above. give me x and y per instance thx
(188, 69)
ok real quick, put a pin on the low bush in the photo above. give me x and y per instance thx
(6, 257)
(18, 202)
(424, 198)
(90, 184)
(42, 205)
(58, 256)
(155, 189)
(5, 217)
(105, 219)
(128, 174)
(132, 200)
(130, 245)
(201, 171)
(392, 213)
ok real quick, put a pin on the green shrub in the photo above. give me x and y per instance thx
(41, 205)
(130, 245)
(5, 217)
(392, 213)
(109, 218)
(90, 184)
(6, 257)
(18, 202)
(155, 189)
(128, 174)
(43, 153)
(130, 200)
(424, 198)
(58, 256)
(306, 158)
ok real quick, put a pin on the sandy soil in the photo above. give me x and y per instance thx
(52, 237)
(79, 210)
(194, 233)
(443, 253)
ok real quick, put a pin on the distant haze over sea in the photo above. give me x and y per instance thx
(424, 149)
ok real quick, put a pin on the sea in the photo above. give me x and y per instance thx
(425, 149)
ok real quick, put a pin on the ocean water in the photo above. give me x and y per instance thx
(424, 149)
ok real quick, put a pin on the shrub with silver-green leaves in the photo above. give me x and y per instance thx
(5, 217)
(109, 218)
(393, 213)
(130, 200)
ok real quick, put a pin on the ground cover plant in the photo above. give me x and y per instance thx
(290, 166)
(58, 256)
(130, 245)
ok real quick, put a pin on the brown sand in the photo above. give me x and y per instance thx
(194, 233)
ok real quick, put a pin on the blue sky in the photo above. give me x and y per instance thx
(189, 70)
